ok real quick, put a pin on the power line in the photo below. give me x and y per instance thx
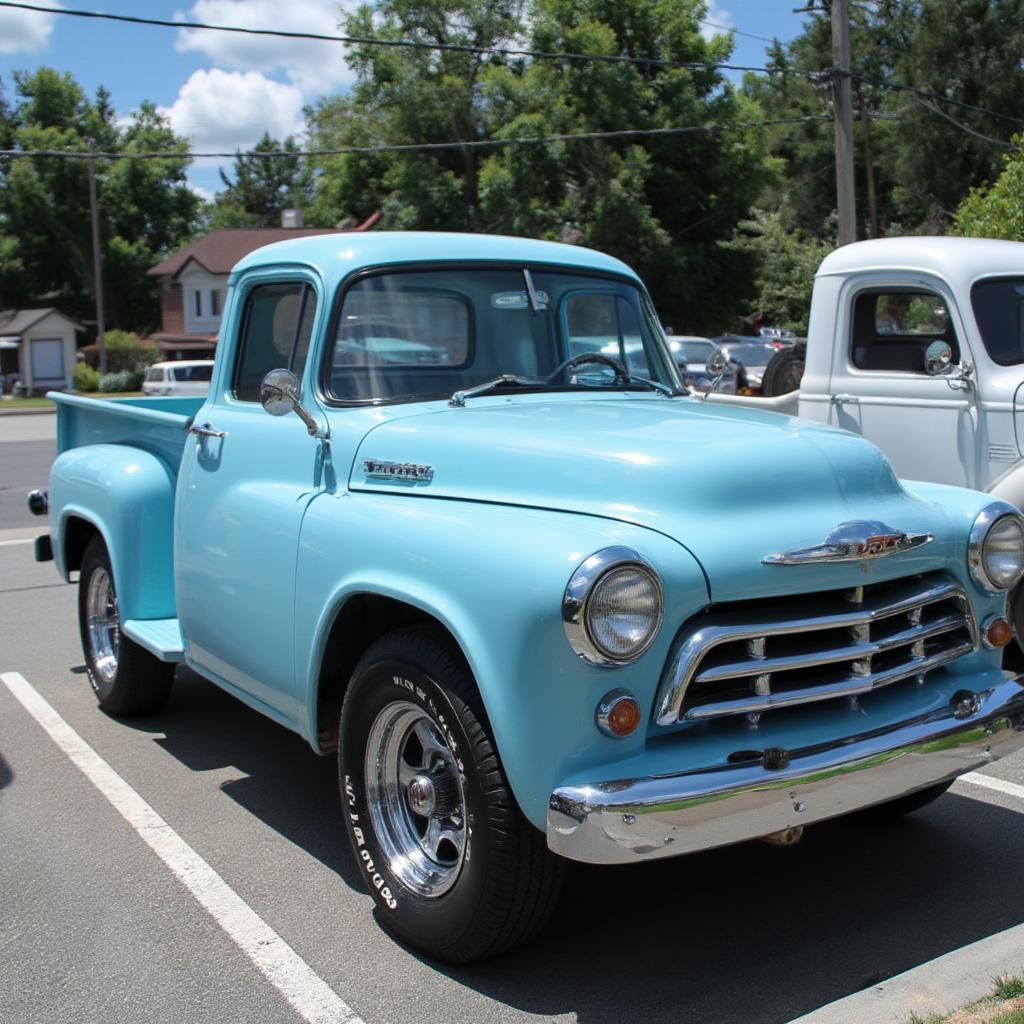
(416, 147)
(936, 98)
(734, 31)
(963, 127)
(414, 44)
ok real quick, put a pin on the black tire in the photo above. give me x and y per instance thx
(505, 883)
(784, 371)
(133, 682)
(909, 803)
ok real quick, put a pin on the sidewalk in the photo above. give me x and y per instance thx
(31, 410)
(938, 987)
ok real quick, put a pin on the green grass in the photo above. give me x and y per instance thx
(1009, 988)
(1013, 1017)
(25, 403)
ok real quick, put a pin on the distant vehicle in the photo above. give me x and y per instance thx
(779, 336)
(185, 377)
(749, 356)
(690, 354)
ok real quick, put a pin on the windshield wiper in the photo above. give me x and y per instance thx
(506, 380)
(655, 385)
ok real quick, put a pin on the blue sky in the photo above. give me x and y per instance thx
(223, 90)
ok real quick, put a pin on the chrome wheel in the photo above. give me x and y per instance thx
(103, 625)
(415, 799)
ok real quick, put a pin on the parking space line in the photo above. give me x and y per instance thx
(311, 997)
(9, 543)
(989, 782)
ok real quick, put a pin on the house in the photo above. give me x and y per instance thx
(194, 281)
(37, 348)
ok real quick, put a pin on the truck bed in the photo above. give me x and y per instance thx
(158, 425)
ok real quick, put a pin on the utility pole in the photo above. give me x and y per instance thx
(869, 167)
(97, 269)
(846, 199)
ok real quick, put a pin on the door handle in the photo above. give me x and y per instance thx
(844, 399)
(207, 430)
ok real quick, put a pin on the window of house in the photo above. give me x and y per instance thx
(215, 301)
(276, 328)
(892, 328)
(198, 294)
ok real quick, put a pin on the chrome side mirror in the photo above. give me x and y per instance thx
(715, 366)
(938, 358)
(280, 392)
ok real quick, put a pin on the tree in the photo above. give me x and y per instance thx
(263, 186)
(926, 152)
(787, 261)
(997, 211)
(661, 204)
(146, 207)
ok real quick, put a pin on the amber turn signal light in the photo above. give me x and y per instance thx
(618, 714)
(996, 631)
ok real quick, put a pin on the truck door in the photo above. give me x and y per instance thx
(245, 483)
(879, 387)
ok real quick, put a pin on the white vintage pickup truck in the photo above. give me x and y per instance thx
(917, 344)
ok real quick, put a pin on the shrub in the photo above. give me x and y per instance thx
(85, 378)
(120, 381)
(126, 351)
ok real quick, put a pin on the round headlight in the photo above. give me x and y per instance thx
(995, 553)
(612, 607)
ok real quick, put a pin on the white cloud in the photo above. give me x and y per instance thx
(227, 110)
(721, 21)
(26, 31)
(314, 67)
(204, 193)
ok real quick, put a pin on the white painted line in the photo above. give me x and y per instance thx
(988, 782)
(312, 998)
(8, 543)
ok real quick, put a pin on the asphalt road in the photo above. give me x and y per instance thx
(27, 448)
(94, 927)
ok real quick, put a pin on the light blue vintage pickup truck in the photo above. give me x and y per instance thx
(448, 511)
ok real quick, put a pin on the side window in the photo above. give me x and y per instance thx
(276, 329)
(892, 328)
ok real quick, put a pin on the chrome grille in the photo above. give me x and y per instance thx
(754, 656)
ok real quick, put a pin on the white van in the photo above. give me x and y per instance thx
(186, 377)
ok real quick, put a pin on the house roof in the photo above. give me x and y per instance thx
(16, 321)
(220, 250)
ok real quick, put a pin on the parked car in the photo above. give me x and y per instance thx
(184, 377)
(777, 335)
(749, 356)
(691, 354)
(540, 609)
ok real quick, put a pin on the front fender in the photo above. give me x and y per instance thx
(1010, 486)
(494, 576)
(127, 494)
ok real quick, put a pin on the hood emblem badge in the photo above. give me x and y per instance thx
(398, 472)
(853, 542)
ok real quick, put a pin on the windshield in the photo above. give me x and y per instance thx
(427, 334)
(999, 310)
(193, 373)
(691, 351)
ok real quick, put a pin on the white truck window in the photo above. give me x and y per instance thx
(893, 327)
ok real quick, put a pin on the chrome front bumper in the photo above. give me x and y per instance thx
(663, 816)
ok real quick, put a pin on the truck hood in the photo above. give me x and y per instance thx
(730, 484)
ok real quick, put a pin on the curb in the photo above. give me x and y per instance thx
(940, 986)
(35, 410)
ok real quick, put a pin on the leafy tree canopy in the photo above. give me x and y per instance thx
(997, 211)
(146, 207)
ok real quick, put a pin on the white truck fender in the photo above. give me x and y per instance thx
(1010, 485)
(788, 405)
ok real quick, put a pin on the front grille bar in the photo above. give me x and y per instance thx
(853, 615)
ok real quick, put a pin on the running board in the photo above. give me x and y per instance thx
(161, 637)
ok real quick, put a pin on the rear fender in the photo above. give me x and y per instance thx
(128, 495)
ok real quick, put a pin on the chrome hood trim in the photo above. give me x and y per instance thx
(853, 542)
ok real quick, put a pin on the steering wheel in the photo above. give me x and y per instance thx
(621, 373)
